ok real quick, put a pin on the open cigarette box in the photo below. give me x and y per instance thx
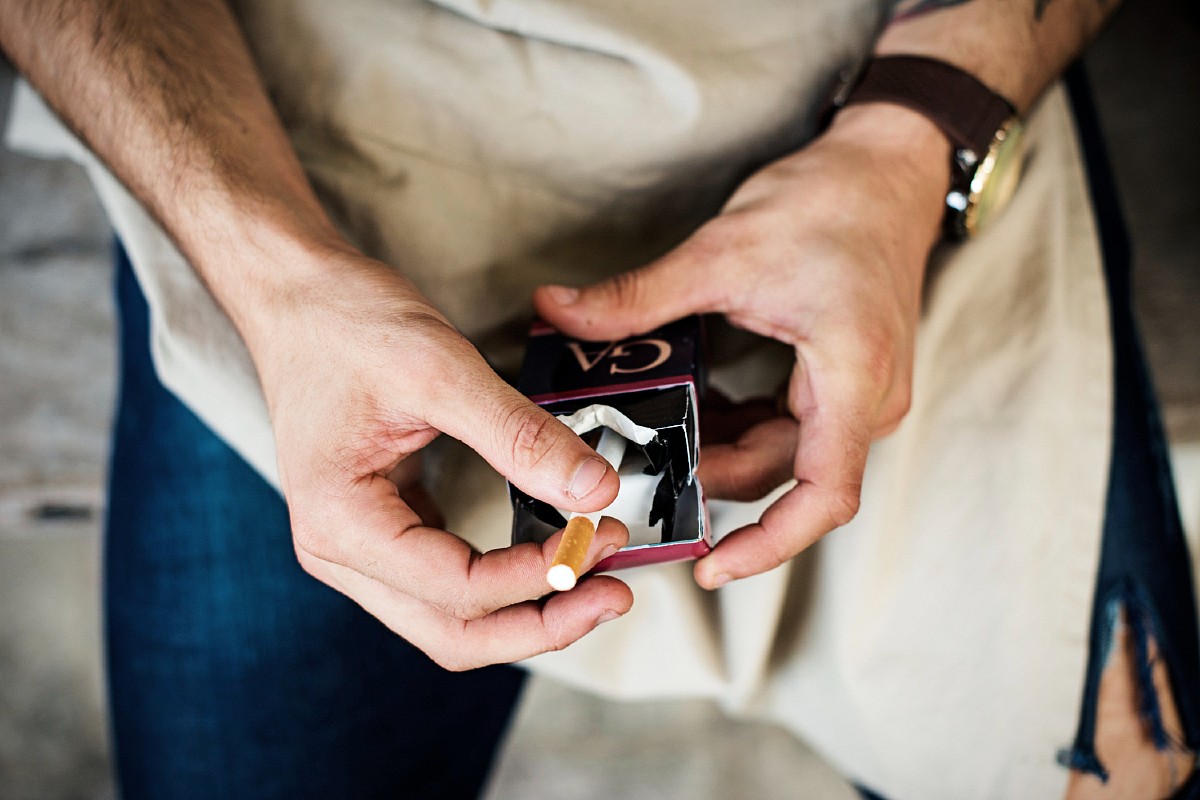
(646, 389)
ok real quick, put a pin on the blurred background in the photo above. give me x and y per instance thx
(57, 365)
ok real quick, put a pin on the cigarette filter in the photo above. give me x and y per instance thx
(568, 558)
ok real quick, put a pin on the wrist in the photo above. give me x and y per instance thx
(262, 257)
(302, 298)
(910, 156)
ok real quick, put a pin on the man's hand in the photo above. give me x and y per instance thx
(359, 371)
(360, 374)
(825, 251)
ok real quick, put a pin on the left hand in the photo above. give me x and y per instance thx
(824, 250)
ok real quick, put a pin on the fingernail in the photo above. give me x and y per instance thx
(587, 477)
(721, 579)
(607, 616)
(608, 551)
(562, 295)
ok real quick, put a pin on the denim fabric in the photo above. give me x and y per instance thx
(232, 673)
(1145, 567)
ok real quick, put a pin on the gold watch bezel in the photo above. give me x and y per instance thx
(1004, 162)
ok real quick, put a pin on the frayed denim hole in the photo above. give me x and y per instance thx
(1083, 760)
(1139, 614)
(1139, 619)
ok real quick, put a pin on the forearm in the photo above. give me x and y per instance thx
(166, 94)
(1016, 47)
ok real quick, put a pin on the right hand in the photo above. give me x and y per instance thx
(360, 372)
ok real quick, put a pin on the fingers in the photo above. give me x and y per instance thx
(522, 441)
(632, 302)
(525, 630)
(724, 422)
(509, 634)
(376, 534)
(347, 429)
(758, 462)
(831, 456)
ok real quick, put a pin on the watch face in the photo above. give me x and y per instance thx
(996, 179)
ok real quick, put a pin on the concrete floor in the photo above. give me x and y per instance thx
(56, 379)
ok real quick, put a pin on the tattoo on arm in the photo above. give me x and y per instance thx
(908, 9)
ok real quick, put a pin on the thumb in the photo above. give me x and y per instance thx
(633, 302)
(522, 441)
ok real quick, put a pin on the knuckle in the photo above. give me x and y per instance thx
(774, 548)
(715, 238)
(465, 604)
(453, 661)
(312, 542)
(418, 328)
(842, 505)
(894, 406)
(306, 560)
(560, 639)
(464, 608)
(557, 645)
(531, 435)
(625, 289)
(898, 406)
(776, 542)
(449, 647)
(732, 231)
(733, 240)
(778, 549)
(877, 355)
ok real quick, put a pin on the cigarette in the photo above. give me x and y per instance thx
(568, 558)
(581, 529)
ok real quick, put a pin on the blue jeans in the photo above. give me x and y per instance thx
(232, 673)
(1145, 567)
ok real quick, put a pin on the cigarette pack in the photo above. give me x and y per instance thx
(647, 389)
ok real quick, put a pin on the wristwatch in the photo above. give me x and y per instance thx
(982, 127)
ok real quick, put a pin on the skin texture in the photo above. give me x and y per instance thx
(824, 250)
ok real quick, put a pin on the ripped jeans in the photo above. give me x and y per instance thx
(1145, 568)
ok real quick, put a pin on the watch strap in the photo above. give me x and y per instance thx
(961, 105)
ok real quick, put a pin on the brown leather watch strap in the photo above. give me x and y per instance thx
(966, 110)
